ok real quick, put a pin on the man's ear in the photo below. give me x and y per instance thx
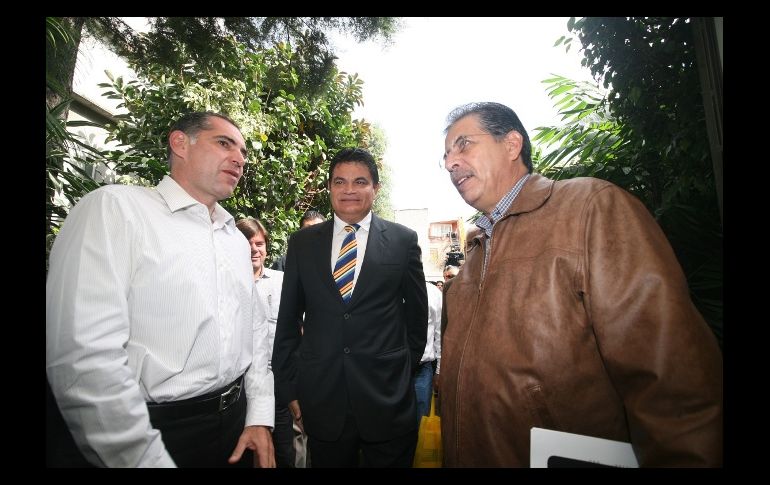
(177, 140)
(514, 141)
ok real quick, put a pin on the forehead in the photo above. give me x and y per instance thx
(351, 170)
(223, 127)
(464, 126)
(257, 237)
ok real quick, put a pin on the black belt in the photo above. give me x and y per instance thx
(211, 403)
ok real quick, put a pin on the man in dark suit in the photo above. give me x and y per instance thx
(348, 375)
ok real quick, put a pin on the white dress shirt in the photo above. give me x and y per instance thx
(362, 236)
(147, 299)
(269, 298)
(433, 342)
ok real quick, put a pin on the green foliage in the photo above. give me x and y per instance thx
(293, 105)
(588, 143)
(647, 135)
(378, 145)
(289, 135)
(69, 160)
(204, 37)
(56, 33)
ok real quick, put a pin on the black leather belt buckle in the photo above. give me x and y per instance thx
(230, 397)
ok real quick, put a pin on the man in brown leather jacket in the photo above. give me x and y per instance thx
(571, 313)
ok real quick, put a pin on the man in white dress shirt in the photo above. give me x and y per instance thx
(152, 352)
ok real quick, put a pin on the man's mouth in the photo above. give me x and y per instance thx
(459, 179)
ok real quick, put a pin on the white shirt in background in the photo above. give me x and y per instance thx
(433, 343)
(269, 299)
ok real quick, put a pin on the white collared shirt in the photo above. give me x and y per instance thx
(147, 299)
(362, 236)
(433, 342)
(269, 298)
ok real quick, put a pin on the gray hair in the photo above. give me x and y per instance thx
(496, 119)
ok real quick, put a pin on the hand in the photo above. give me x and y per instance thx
(259, 439)
(296, 413)
(435, 383)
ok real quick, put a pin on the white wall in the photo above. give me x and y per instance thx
(417, 219)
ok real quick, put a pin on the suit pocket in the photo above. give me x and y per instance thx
(391, 353)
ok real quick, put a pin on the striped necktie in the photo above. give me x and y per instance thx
(345, 267)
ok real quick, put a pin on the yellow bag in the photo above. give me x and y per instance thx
(429, 452)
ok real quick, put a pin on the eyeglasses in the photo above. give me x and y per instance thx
(460, 144)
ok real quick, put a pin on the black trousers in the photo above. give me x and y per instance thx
(205, 440)
(351, 451)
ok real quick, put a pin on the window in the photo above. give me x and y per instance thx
(440, 230)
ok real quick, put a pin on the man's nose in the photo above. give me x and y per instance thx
(451, 162)
(239, 159)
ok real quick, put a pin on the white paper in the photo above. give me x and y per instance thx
(546, 443)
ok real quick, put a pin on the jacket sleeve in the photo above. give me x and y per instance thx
(416, 301)
(660, 354)
(288, 330)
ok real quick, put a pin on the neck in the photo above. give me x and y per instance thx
(351, 222)
(258, 273)
(204, 199)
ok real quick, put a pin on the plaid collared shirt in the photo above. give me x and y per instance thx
(486, 223)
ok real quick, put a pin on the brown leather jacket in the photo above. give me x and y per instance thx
(582, 323)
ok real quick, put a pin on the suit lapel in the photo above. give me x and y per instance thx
(376, 246)
(323, 262)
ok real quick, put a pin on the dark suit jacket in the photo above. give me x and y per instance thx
(364, 352)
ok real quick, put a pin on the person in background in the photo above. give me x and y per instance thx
(439, 285)
(430, 363)
(268, 289)
(571, 313)
(152, 354)
(359, 281)
(309, 218)
(450, 271)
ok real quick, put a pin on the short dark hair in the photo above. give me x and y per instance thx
(310, 215)
(359, 155)
(193, 123)
(496, 119)
(251, 227)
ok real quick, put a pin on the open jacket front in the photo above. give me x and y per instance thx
(581, 323)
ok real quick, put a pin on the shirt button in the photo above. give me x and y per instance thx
(346, 316)
(346, 350)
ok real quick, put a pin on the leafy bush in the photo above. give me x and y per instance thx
(289, 134)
